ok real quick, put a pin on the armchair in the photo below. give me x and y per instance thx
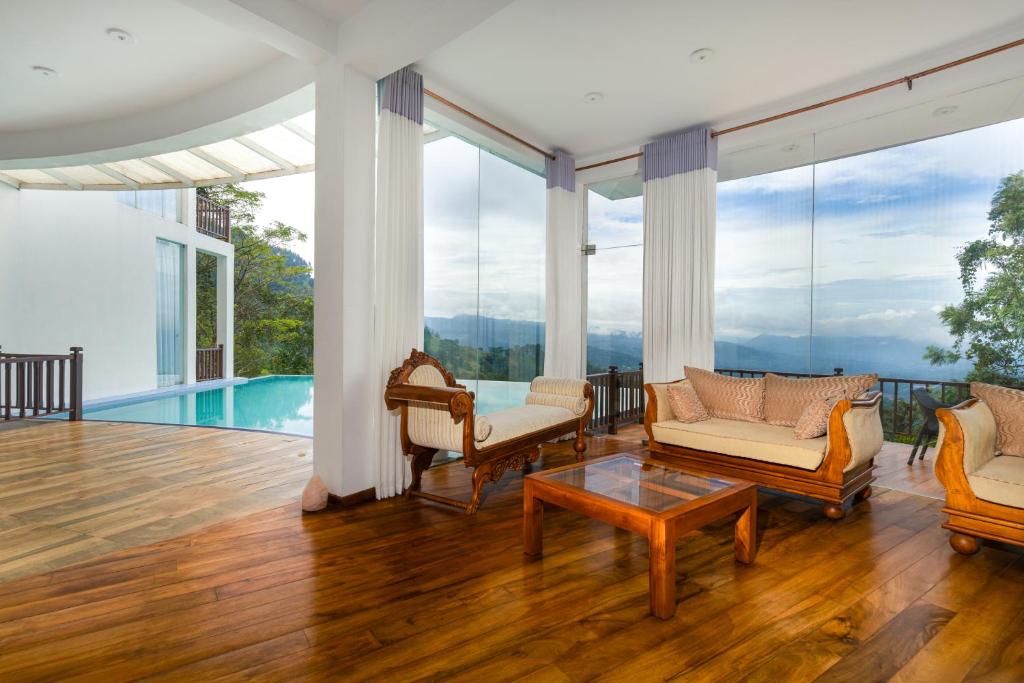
(984, 491)
(439, 414)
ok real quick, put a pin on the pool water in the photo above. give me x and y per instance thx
(277, 403)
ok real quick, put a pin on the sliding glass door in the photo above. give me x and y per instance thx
(170, 313)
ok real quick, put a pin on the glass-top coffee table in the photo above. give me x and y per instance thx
(647, 496)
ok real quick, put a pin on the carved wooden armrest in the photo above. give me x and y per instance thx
(967, 441)
(854, 433)
(459, 401)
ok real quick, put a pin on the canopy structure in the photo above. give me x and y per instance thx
(281, 149)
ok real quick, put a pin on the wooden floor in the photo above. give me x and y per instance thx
(70, 491)
(407, 590)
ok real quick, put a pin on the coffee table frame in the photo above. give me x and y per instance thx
(662, 529)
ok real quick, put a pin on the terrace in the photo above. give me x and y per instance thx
(781, 196)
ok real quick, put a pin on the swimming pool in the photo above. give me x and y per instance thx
(276, 403)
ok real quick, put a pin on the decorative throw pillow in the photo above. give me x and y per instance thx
(786, 398)
(685, 403)
(813, 421)
(1007, 406)
(730, 398)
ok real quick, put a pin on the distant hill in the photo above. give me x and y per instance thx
(888, 356)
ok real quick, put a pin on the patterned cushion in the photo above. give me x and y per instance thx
(686, 405)
(786, 399)
(1007, 406)
(813, 421)
(577, 404)
(729, 398)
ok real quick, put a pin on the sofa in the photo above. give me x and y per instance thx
(981, 465)
(835, 468)
(438, 414)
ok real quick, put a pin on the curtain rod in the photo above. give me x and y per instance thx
(434, 96)
(905, 80)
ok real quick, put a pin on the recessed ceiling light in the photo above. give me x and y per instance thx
(119, 35)
(593, 97)
(45, 71)
(945, 111)
(791, 148)
(702, 55)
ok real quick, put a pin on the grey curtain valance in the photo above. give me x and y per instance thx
(560, 171)
(681, 153)
(402, 93)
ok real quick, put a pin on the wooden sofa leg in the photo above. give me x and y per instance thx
(863, 494)
(421, 459)
(964, 544)
(833, 511)
(580, 445)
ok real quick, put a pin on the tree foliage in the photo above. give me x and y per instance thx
(988, 326)
(273, 290)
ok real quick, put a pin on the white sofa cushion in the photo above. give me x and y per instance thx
(1000, 480)
(751, 440)
(512, 422)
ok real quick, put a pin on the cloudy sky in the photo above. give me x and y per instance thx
(867, 243)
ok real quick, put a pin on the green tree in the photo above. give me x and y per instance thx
(273, 290)
(988, 327)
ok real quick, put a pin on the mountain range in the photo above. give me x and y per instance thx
(889, 356)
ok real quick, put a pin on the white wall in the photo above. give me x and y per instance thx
(79, 269)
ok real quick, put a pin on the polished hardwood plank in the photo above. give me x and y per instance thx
(70, 491)
(410, 590)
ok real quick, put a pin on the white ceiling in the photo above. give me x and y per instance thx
(338, 10)
(530, 64)
(178, 53)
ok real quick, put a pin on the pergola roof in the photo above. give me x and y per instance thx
(281, 149)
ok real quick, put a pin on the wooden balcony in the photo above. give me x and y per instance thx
(36, 385)
(213, 219)
(210, 363)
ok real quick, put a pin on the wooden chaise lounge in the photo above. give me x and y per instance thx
(440, 415)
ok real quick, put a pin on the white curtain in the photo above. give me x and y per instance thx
(563, 295)
(170, 314)
(398, 287)
(680, 175)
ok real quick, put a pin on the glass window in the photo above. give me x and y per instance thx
(170, 313)
(484, 241)
(615, 275)
(850, 263)
(159, 202)
(763, 272)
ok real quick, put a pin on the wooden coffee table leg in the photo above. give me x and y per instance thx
(663, 570)
(746, 531)
(533, 522)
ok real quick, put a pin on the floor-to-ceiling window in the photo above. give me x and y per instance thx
(615, 269)
(850, 263)
(484, 222)
(170, 313)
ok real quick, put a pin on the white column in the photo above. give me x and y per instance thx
(226, 311)
(344, 422)
(190, 313)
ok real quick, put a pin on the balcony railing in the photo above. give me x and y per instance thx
(35, 385)
(618, 398)
(901, 414)
(210, 363)
(213, 219)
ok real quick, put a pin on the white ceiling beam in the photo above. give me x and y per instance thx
(284, 25)
(266, 153)
(300, 131)
(64, 178)
(237, 174)
(8, 180)
(120, 177)
(386, 35)
(167, 170)
(434, 136)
